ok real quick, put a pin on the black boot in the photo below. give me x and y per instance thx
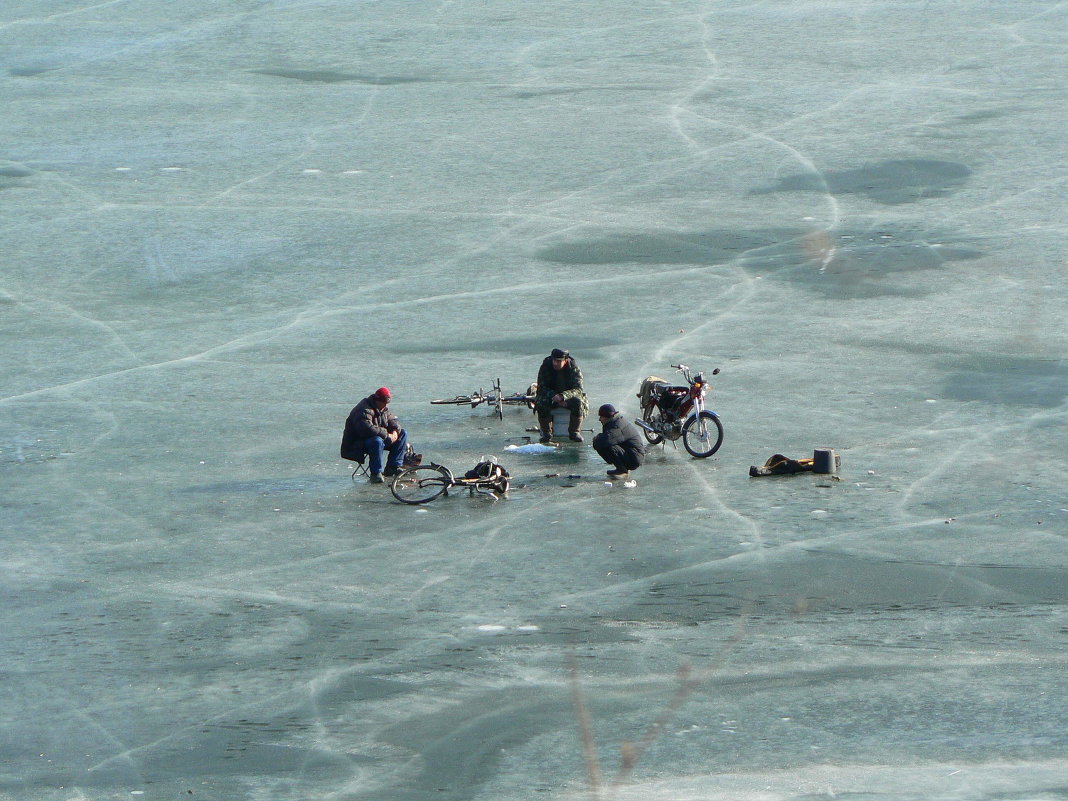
(545, 423)
(573, 427)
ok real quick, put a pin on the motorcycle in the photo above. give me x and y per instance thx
(670, 412)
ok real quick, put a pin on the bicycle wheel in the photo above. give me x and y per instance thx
(459, 399)
(702, 435)
(421, 484)
(648, 415)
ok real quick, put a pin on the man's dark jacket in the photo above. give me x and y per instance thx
(619, 431)
(365, 421)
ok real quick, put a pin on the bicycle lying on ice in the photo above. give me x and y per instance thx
(424, 483)
(495, 398)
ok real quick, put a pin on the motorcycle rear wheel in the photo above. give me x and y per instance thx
(648, 414)
(702, 435)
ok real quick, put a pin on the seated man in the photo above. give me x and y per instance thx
(371, 430)
(560, 384)
(619, 443)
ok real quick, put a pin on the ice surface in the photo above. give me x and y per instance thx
(226, 222)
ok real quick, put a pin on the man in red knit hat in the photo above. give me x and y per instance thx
(372, 430)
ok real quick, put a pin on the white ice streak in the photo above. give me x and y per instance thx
(60, 14)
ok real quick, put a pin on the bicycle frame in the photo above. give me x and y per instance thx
(483, 486)
(495, 398)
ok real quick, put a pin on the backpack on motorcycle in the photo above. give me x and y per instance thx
(649, 389)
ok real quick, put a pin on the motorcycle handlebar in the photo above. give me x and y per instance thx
(682, 367)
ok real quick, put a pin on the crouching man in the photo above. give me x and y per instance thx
(372, 430)
(619, 443)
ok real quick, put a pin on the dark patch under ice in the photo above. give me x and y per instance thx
(894, 181)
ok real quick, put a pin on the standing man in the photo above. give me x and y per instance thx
(372, 430)
(619, 442)
(560, 385)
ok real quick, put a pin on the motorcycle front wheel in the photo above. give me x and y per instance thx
(702, 435)
(647, 416)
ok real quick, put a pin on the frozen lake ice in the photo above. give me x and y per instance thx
(226, 222)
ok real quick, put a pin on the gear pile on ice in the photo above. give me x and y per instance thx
(487, 468)
(411, 458)
(779, 465)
